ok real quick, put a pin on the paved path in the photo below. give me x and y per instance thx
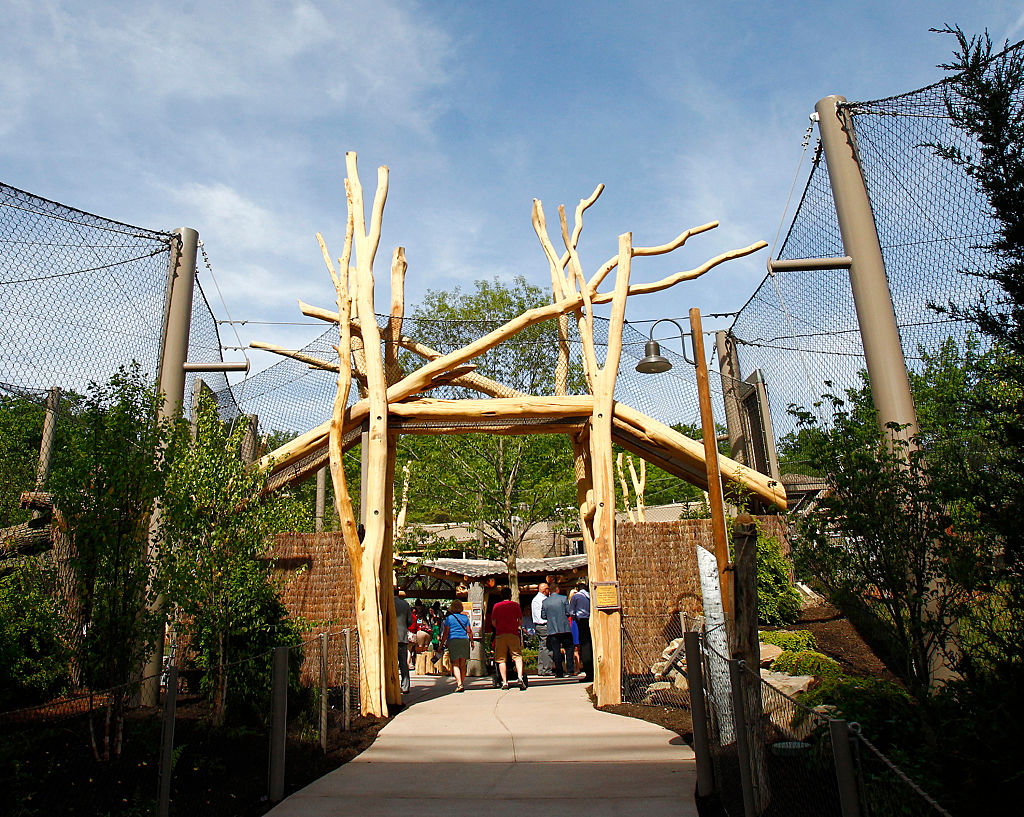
(488, 753)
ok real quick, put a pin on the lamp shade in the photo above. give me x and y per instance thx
(653, 361)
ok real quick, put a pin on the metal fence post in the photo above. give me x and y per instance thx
(323, 691)
(163, 797)
(278, 724)
(347, 707)
(699, 714)
(846, 777)
(742, 744)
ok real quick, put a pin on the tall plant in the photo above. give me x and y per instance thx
(108, 477)
(215, 527)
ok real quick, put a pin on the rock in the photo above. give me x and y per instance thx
(673, 645)
(779, 710)
(658, 668)
(769, 652)
(808, 598)
(680, 682)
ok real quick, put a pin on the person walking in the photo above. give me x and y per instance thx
(403, 618)
(579, 609)
(507, 619)
(541, 626)
(457, 636)
(556, 613)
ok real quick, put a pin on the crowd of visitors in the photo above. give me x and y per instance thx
(561, 623)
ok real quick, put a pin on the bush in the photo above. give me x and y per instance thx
(806, 662)
(792, 640)
(885, 711)
(778, 601)
(33, 659)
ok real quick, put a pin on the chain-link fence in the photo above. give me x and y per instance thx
(81, 295)
(934, 223)
(760, 751)
(289, 717)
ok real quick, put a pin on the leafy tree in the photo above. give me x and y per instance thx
(104, 487)
(502, 485)
(215, 527)
(21, 429)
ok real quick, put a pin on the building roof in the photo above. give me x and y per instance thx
(485, 568)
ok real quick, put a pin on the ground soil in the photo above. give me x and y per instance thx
(838, 639)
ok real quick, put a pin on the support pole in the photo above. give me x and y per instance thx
(46, 446)
(321, 497)
(347, 703)
(887, 368)
(171, 383)
(323, 691)
(716, 498)
(733, 389)
(846, 778)
(742, 738)
(278, 724)
(166, 768)
(699, 714)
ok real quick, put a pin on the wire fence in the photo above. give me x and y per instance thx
(933, 223)
(81, 295)
(766, 752)
(74, 755)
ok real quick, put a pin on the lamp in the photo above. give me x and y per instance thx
(654, 362)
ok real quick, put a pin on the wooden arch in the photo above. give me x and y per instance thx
(389, 405)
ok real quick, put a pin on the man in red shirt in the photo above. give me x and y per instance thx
(506, 619)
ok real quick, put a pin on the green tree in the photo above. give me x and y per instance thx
(215, 526)
(104, 486)
(21, 429)
(501, 485)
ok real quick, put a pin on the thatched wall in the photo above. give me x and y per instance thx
(317, 586)
(657, 570)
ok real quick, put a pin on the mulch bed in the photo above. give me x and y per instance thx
(838, 639)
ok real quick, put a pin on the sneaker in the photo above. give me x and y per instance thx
(504, 685)
(522, 683)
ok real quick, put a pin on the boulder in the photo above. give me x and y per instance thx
(769, 652)
(779, 710)
(673, 645)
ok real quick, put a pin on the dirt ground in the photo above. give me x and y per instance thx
(838, 639)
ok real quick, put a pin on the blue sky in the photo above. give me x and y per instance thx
(234, 118)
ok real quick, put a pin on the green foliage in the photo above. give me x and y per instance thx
(33, 659)
(791, 640)
(21, 430)
(215, 526)
(884, 710)
(105, 484)
(806, 662)
(778, 601)
(501, 485)
(881, 543)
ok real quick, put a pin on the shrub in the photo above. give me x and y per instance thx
(778, 601)
(792, 640)
(885, 711)
(33, 659)
(806, 662)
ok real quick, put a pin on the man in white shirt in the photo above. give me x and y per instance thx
(544, 659)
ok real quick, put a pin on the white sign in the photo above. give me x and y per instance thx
(714, 635)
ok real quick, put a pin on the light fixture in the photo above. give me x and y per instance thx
(654, 362)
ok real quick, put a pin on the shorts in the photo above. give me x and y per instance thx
(458, 648)
(507, 644)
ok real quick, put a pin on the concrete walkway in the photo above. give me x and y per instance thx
(488, 753)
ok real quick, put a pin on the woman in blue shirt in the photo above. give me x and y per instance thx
(458, 637)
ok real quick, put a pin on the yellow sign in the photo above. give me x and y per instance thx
(606, 595)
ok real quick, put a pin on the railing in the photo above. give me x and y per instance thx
(760, 752)
(75, 756)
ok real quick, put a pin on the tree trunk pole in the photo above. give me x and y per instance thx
(732, 393)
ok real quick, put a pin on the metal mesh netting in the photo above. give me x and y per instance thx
(933, 223)
(292, 397)
(81, 295)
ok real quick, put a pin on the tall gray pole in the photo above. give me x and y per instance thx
(887, 368)
(732, 389)
(171, 383)
(321, 498)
